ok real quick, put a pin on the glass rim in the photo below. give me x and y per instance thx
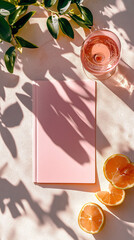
(119, 46)
(105, 30)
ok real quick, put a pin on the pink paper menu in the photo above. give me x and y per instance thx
(64, 131)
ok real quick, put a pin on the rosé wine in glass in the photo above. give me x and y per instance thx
(100, 54)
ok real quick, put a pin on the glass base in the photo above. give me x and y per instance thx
(102, 77)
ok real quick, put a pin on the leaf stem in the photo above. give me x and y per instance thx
(13, 42)
(43, 6)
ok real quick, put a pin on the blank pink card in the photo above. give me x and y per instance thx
(64, 131)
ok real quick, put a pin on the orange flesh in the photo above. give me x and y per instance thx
(119, 171)
(90, 218)
(113, 197)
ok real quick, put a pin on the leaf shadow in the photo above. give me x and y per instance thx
(59, 203)
(7, 81)
(8, 140)
(66, 110)
(59, 114)
(51, 59)
(48, 49)
(2, 169)
(11, 117)
(18, 193)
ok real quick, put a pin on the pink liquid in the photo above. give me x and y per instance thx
(99, 54)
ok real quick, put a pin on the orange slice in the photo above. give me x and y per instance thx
(91, 218)
(113, 197)
(119, 171)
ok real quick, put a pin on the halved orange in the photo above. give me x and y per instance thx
(119, 170)
(113, 197)
(91, 218)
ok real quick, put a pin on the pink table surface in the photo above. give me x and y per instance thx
(39, 212)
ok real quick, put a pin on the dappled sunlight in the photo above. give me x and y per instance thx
(50, 211)
(117, 118)
(118, 17)
(122, 78)
(123, 83)
(112, 9)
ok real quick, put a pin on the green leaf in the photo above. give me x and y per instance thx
(24, 43)
(24, 9)
(49, 3)
(86, 14)
(5, 30)
(63, 5)
(16, 14)
(9, 59)
(26, 2)
(7, 6)
(22, 21)
(53, 26)
(15, 2)
(66, 27)
(4, 12)
(79, 21)
(77, 1)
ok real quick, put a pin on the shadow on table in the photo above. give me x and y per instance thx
(39, 61)
(115, 14)
(122, 84)
(124, 211)
(7, 80)
(130, 154)
(12, 197)
(115, 227)
(26, 99)
(10, 118)
(36, 63)
(119, 220)
(65, 117)
(60, 111)
(118, 15)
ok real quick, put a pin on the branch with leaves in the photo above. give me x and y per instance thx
(14, 15)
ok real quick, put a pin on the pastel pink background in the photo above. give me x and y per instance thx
(30, 211)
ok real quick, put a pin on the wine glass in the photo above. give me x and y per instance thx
(100, 54)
